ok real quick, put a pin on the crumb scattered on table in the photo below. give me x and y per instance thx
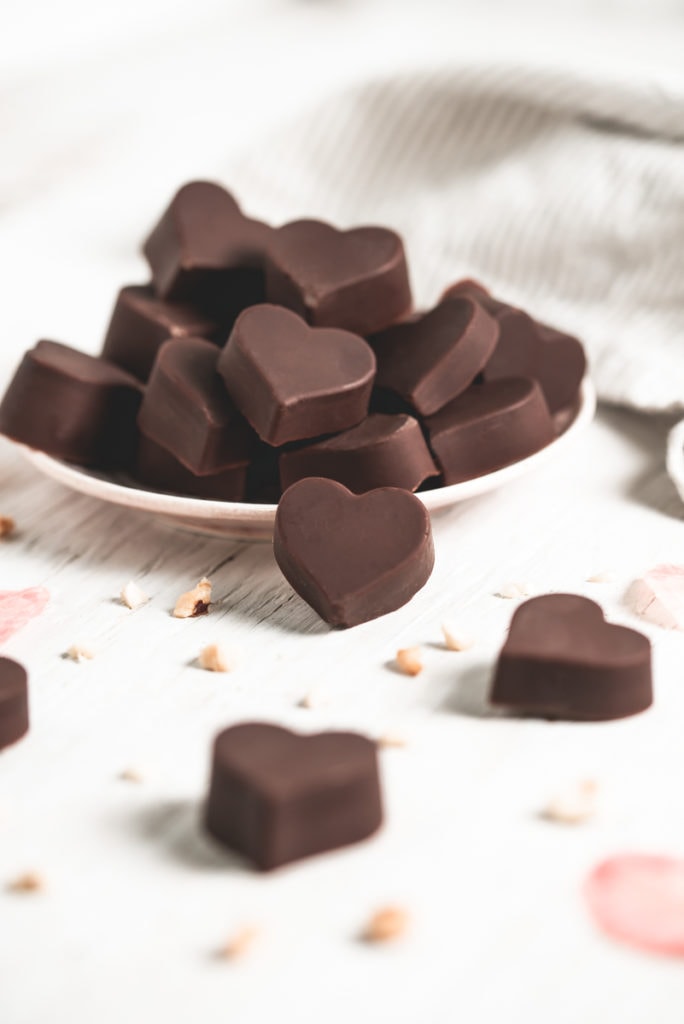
(455, 640)
(392, 739)
(386, 925)
(574, 805)
(131, 775)
(513, 590)
(79, 653)
(216, 658)
(29, 881)
(133, 596)
(315, 699)
(409, 661)
(239, 943)
(194, 602)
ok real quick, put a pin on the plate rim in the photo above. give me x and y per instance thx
(247, 513)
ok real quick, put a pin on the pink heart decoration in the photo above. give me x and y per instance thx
(17, 607)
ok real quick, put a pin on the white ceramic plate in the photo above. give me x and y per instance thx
(240, 520)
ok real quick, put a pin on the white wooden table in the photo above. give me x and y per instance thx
(137, 900)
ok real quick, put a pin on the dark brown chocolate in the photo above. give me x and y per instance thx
(206, 252)
(430, 360)
(157, 469)
(488, 427)
(186, 409)
(563, 660)
(291, 381)
(352, 557)
(14, 710)
(141, 323)
(356, 280)
(276, 796)
(74, 406)
(382, 451)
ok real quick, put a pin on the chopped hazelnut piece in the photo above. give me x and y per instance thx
(315, 699)
(131, 775)
(79, 653)
(133, 596)
(409, 661)
(455, 640)
(602, 577)
(7, 526)
(574, 805)
(392, 739)
(195, 602)
(386, 924)
(512, 591)
(239, 943)
(30, 881)
(215, 658)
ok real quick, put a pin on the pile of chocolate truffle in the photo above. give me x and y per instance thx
(259, 356)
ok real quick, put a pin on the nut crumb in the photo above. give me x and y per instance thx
(386, 924)
(314, 699)
(133, 596)
(195, 602)
(454, 640)
(392, 739)
(7, 526)
(79, 653)
(602, 577)
(239, 943)
(215, 658)
(574, 805)
(409, 661)
(29, 881)
(513, 591)
(131, 775)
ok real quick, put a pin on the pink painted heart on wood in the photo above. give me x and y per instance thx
(17, 607)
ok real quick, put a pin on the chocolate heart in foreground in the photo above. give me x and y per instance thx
(292, 381)
(14, 715)
(352, 557)
(276, 796)
(355, 279)
(563, 660)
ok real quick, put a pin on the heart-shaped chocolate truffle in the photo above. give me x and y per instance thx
(186, 409)
(14, 713)
(206, 252)
(276, 796)
(488, 427)
(429, 360)
(291, 381)
(356, 279)
(563, 660)
(352, 557)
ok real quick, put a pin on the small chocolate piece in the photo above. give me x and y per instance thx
(291, 381)
(532, 349)
(352, 557)
(430, 360)
(489, 427)
(563, 660)
(357, 280)
(205, 252)
(186, 409)
(141, 323)
(74, 406)
(14, 711)
(159, 470)
(382, 451)
(276, 796)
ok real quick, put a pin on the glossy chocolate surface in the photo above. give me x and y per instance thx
(429, 360)
(352, 557)
(72, 405)
(382, 451)
(141, 323)
(14, 711)
(276, 796)
(187, 409)
(563, 660)
(291, 381)
(488, 427)
(356, 280)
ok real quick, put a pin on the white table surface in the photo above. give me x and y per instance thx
(137, 901)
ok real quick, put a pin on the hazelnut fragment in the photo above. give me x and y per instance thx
(195, 602)
(409, 661)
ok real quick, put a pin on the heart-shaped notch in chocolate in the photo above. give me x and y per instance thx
(292, 381)
(276, 796)
(352, 557)
(357, 279)
(14, 712)
(563, 660)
